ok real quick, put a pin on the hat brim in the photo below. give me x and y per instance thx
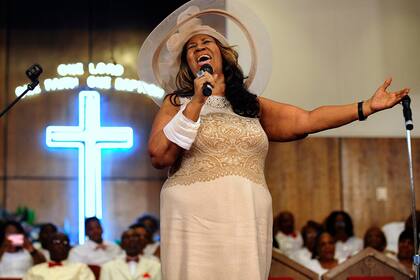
(154, 61)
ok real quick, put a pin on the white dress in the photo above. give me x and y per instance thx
(216, 213)
(351, 247)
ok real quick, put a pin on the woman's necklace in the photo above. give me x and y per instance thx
(217, 101)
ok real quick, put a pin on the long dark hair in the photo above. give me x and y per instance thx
(330, 223)
(243, 102)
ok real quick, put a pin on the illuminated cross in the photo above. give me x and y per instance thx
(90, 138)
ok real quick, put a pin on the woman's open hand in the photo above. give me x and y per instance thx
(382, 99)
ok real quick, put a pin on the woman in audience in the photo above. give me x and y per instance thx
(17, 254)
(309, 233)
(323, 258)
(339, 224)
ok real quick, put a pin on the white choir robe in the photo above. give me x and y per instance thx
(88, 254)
(15, 264)
(288, 244)
(147, 268)
(68, 271)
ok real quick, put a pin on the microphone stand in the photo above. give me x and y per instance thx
(409, 126)
(416, 257)
(30, 86)
(32, 73)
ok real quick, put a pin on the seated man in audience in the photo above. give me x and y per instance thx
(288, 240)
(58, 267)
(152, 248)
(95, 251)
(309, 234)
(406, 248)
(133, 265)
(375, 238)
(340, 225)
(17, 254)
(45, 232)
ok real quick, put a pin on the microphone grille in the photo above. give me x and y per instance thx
(207, 68)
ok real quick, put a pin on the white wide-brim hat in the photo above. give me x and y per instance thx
(159, 57)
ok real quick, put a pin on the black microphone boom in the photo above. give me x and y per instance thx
(207, 87)
(407, 112)
(33, 73)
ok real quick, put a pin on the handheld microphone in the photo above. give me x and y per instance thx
(407, 112)
(207, 87)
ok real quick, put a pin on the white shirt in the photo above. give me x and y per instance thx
(150, 249)
(89, 254)
(351, 247)
(15, 264)
(147, 268)
(315, 266)
(68, 271)
(302, 256)
(392, 232)
(289, 244)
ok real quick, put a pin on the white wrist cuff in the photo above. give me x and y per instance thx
(181, 130)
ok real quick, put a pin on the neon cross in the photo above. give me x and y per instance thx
(90, 138)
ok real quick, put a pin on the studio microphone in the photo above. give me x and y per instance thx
(207, 87)
(407, 112)
(33, 73)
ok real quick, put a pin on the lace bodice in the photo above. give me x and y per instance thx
(226, 144)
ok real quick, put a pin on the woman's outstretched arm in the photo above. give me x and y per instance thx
(283, 122)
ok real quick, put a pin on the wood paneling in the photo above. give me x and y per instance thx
(368, 164)
(51, 43)
(52, 200)
(315, 176)
(3, 89)
(304, 177)
(125, 201)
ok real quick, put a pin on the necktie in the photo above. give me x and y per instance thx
(52, 264)
(132, 259)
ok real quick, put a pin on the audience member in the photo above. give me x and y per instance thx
(309, 234)
(95, 250)
(288, 240)
(323, 258)
(152, 224)
(17, 254)
(375, 238)
(45, 232)
(339, 224)
(134, 265)
(152, 248)
(58, 267)
(406, 248)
